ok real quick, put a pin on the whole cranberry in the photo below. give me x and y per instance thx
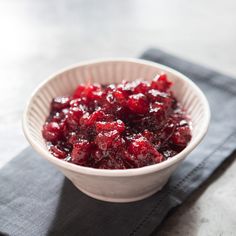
(52, 132)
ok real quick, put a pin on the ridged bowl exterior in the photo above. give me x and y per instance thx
(115, 185)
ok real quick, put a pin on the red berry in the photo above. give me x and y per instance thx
(80, 152)
(148, 135)
(58, 152)
(139, 147)
(57, 117)
(60, 103)
(73, 117)
(161, 83)
(118, 143)
(159, 113)
(120, 97)
(104, 140)
(89, 120)
(78, 92)
(143, 152)
(72, 138)
(158, 158)
(141, 87)
(138, 103)
(93, 92)
(109, 126)
(52, 132)
(181, 136)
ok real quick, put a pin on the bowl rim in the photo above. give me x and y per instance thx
(120, 172)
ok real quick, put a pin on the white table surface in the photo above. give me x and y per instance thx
(39, 37)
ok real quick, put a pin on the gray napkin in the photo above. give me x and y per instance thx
(36, 199)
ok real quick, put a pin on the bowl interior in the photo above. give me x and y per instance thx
(112, 71)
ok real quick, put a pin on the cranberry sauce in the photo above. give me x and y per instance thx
(117, 126)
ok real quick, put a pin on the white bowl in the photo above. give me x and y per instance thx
(115, 185)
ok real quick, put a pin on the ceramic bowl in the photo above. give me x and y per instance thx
(115, 185)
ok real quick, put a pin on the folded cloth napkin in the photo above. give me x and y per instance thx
(36, 199)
